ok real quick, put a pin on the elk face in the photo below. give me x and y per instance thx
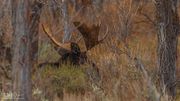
(73, 57)
(75, 48)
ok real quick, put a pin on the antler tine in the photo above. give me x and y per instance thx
(79, 39)
(105, 35)
(76, 27)
(64, 47)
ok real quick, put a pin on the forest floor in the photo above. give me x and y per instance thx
(120, 81)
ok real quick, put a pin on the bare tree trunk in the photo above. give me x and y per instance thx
(54, 8)
(67, 34)
(168, 27)
(34, 30)
(98, 4)
(21, 64)
(5, 54)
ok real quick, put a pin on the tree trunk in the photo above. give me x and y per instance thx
(21, 64)
(34, 31)
(5, 54)
(168, 27)
(67, 34)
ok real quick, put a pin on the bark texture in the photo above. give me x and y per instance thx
(36, 9)
(21, 64)
(67, 33)
(168, 28)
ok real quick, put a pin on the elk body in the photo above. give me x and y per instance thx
(71, 52)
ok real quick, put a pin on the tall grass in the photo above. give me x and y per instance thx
(121, 77)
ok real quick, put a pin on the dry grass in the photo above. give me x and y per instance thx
(120, 79)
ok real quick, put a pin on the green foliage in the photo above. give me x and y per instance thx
(66, 78)
(47, 52)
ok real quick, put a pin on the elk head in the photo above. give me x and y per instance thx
(71, 51)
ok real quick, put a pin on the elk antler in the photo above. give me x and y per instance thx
(62, 48)
(90, 34)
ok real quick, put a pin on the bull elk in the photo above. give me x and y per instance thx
(71, 52)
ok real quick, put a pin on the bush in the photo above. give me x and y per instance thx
(66, 78)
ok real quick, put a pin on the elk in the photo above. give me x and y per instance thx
(71, 52)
